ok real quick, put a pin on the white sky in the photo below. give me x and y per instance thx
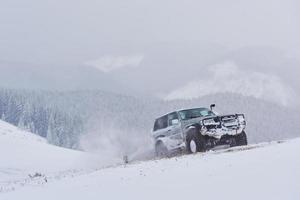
(76, 31)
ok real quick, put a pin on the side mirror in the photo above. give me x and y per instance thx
(175, 121)
(212, 106)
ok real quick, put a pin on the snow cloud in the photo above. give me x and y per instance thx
(111, 143)
(110, 63)
(228, 77)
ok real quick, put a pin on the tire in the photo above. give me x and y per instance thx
(195, 142)
(160, 149)
(241, 139)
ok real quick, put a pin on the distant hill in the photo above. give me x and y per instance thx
(99, 120)
(16, 75)
(165, 67)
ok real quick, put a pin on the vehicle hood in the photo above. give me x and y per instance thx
(194, 120)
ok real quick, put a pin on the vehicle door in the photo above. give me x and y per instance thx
(174, 126)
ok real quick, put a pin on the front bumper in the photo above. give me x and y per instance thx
(225, 140)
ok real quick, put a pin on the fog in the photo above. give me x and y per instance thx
(73, 32)
(131, 42)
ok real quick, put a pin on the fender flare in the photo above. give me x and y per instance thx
(160, 139)
(192, 126)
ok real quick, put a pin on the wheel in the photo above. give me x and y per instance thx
(160, 149)
(241, 139)
(195, 142)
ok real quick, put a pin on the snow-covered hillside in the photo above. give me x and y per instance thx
(264, 171)
(24, 154)
(67, 118)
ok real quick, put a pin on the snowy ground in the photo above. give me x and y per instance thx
(266, 171)
(26, 158)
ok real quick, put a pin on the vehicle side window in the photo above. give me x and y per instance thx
(161, 123)
(171, 117)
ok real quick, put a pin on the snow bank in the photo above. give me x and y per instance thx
(270, 172)
(23, 153)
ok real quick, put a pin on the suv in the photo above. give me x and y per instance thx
(197, 130)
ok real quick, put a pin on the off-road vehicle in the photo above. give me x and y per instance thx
(197, 130)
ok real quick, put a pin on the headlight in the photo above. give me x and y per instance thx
(241, 119)
(208, 122)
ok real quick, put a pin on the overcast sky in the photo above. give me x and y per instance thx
(166, 48)
(76, 31)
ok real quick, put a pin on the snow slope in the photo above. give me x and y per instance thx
(24, 154)
(269, 171)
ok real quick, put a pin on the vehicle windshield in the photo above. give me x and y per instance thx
(195, 113)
